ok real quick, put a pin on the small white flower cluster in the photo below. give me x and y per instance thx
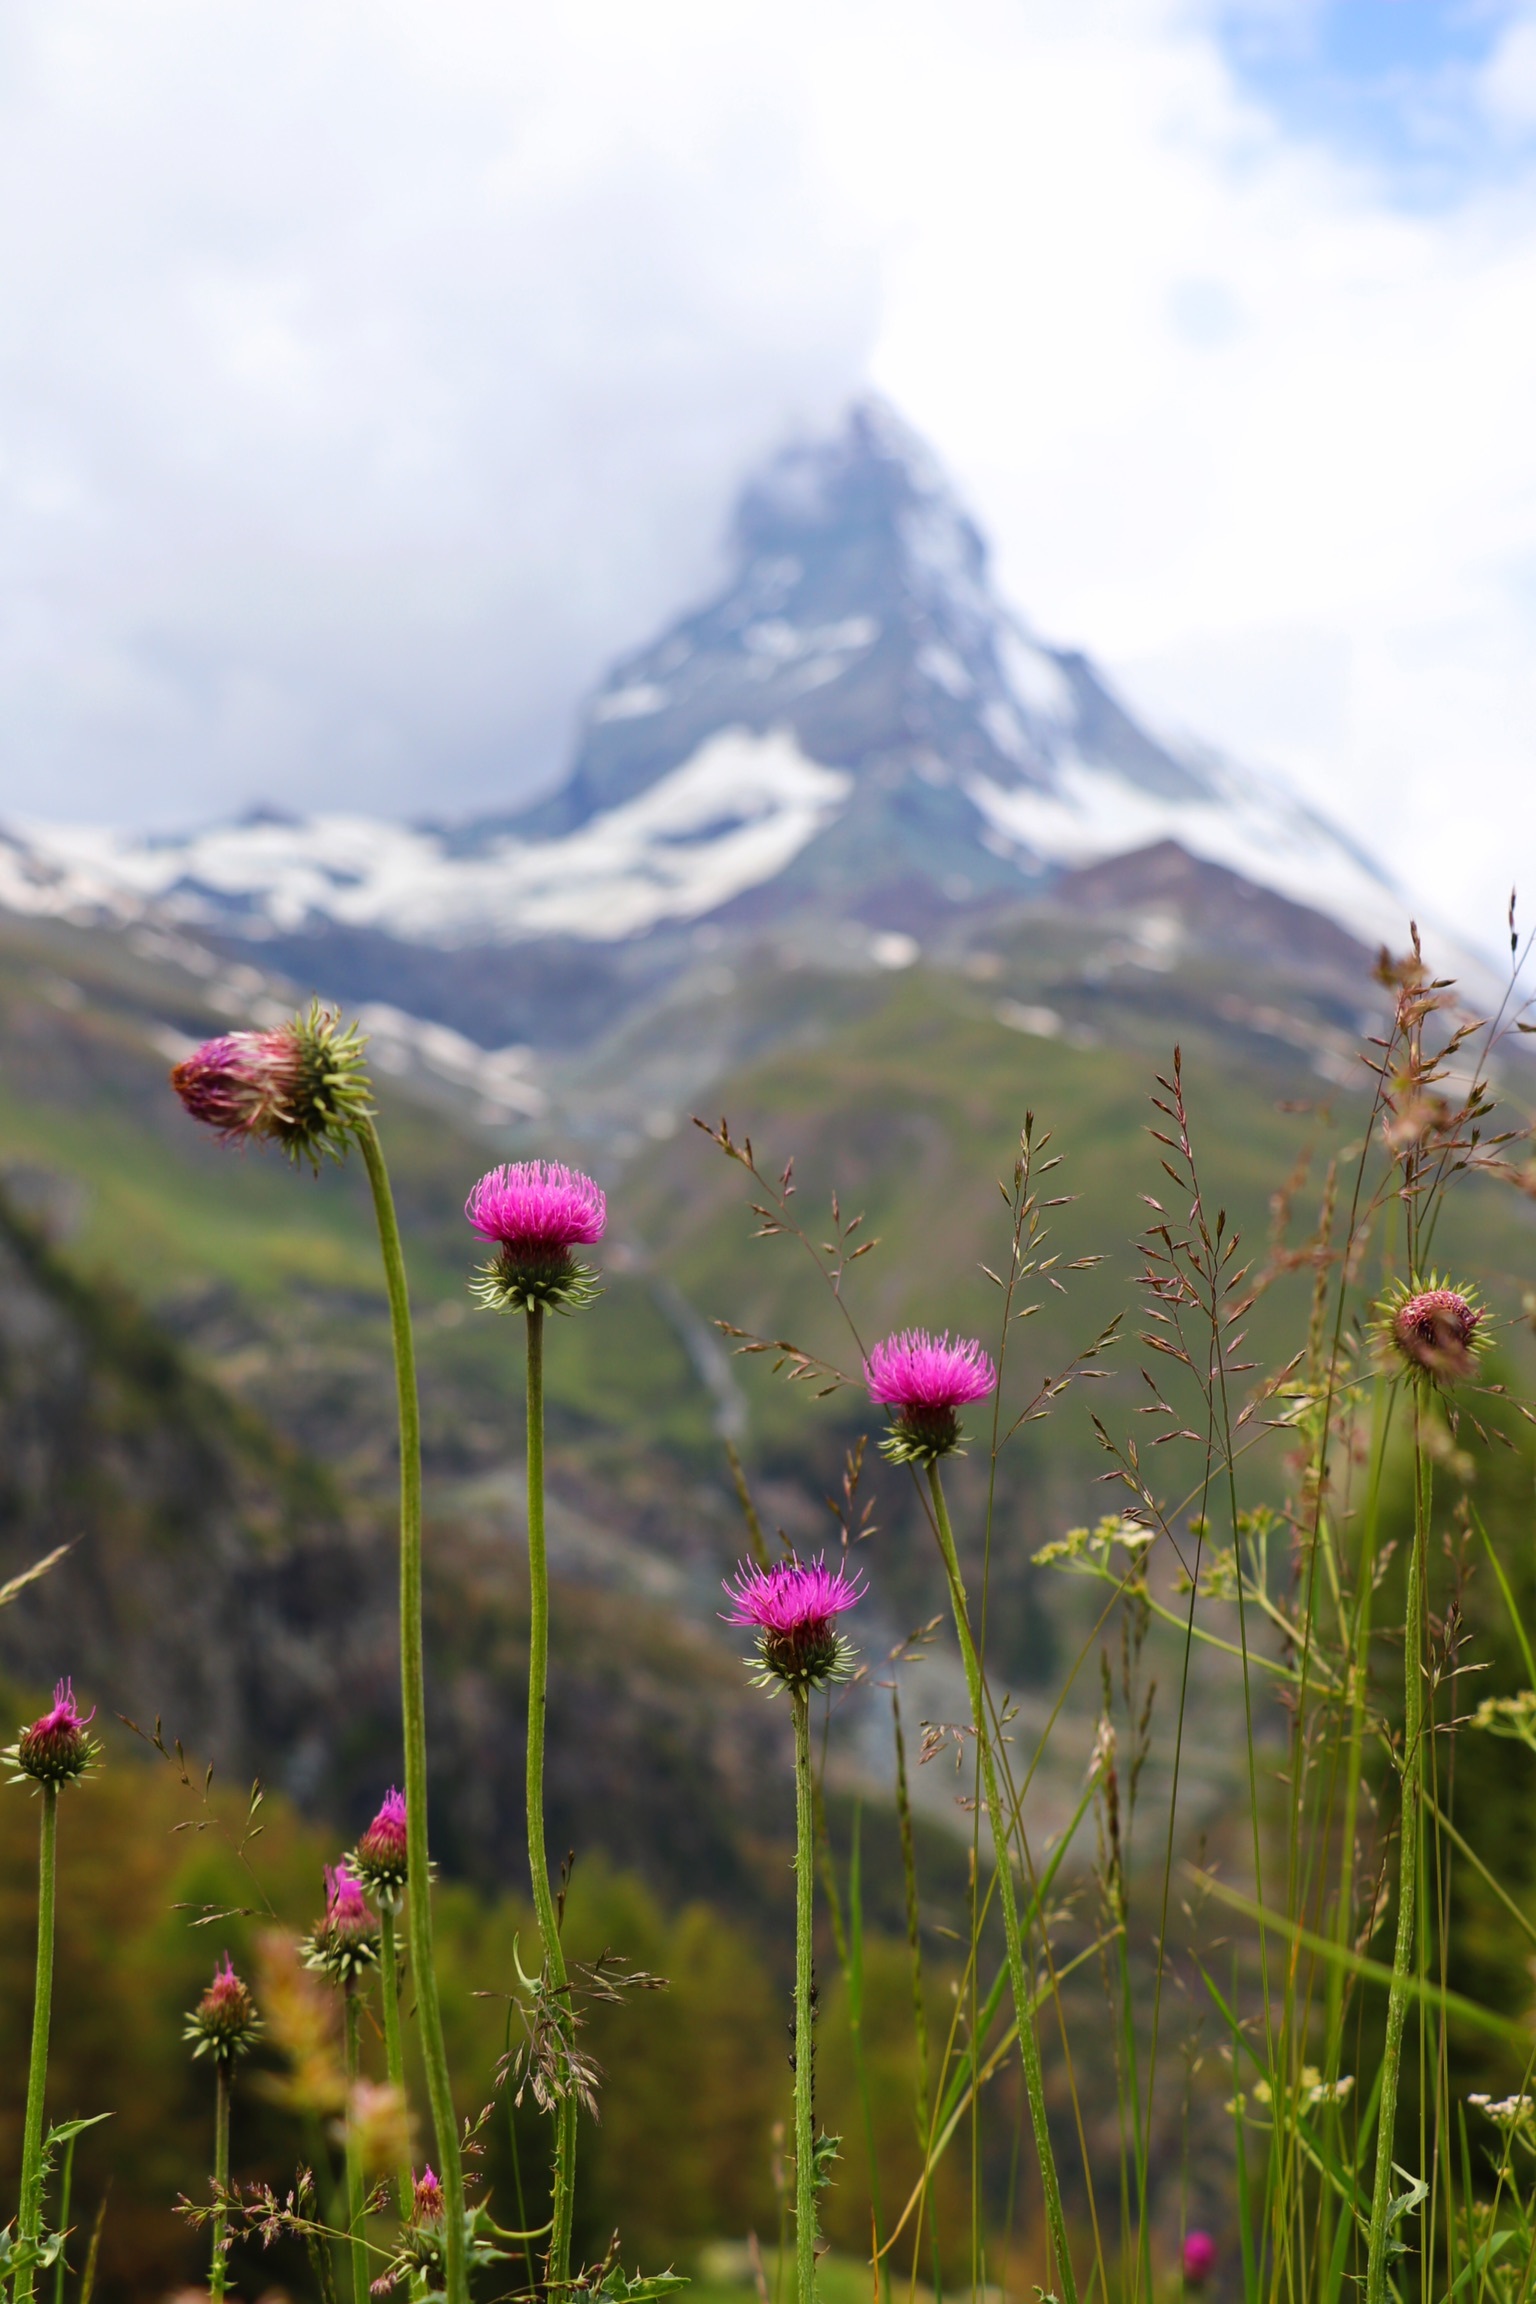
(1088, 1549)
(1513, 1716)
(1311, 2092)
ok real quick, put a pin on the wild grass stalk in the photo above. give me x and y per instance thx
(1018, 1973)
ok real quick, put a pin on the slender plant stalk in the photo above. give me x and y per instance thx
(394, 2051)
(356, 2238)
(218, 2266)
(805, 2068)
(66, 2189)
(1404, 1944)
(1029, 2046)
(914, 1926)
(413, 1706)
(556, 1980)
(30, 2221)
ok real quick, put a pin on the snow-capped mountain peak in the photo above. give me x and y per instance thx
(857, 725)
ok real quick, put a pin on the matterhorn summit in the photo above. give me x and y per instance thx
(856, 730)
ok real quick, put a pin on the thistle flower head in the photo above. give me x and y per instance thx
(379, 1859)
(55, 1749)
(794, 1611)
(1434, 1329)
(345, 1939)
(427, 2199)
(225, 2022)
(302, 1085)
(923, 1380)
(536, 1211)
(1198, 2258)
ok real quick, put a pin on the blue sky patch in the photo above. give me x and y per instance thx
(1392, 83)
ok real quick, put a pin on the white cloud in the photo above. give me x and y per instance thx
(1332, 475)
(371, 373)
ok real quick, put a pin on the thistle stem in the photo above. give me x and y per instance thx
(30, 2220)
(805, 1986)
(218, 2265)
(555, 1978)
(357, 2242)
(1029, 2046)
(66, 2185)
(413, 1706)
(394, 2052)
(1407, 1881)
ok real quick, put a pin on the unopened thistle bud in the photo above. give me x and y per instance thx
(55, 1749)
(427, 2199)
(225, 2023)
(794, 1611)
(379, 1859)
(303, 1085)
(536, 1211)
(1435, 1330)
(923, 1380)
(345, 1939)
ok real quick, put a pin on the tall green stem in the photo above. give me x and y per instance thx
(394, 2052)
(357, 2240)
(31, 2216)
(1407, 1878)
(556, 1981)
(413, 1706)
(66, 2186)
(805, 2046)
(218, 2266)
(914, 1925)
(1023, 1999)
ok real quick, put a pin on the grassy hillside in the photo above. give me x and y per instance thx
(903, 1094)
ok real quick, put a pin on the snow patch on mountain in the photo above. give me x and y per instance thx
(1256, 829)
(735, 814)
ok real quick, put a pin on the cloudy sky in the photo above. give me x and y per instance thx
(372, 371)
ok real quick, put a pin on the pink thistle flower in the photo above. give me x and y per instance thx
(427, 2199)
(379, 1859)
(924, 1379)
(345, 1940)
(302, 1085)
(536, 1211)
(1436, 1330)
(224, 2023)
(55, 1749)
(794, 1610)
(1198, 2258)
